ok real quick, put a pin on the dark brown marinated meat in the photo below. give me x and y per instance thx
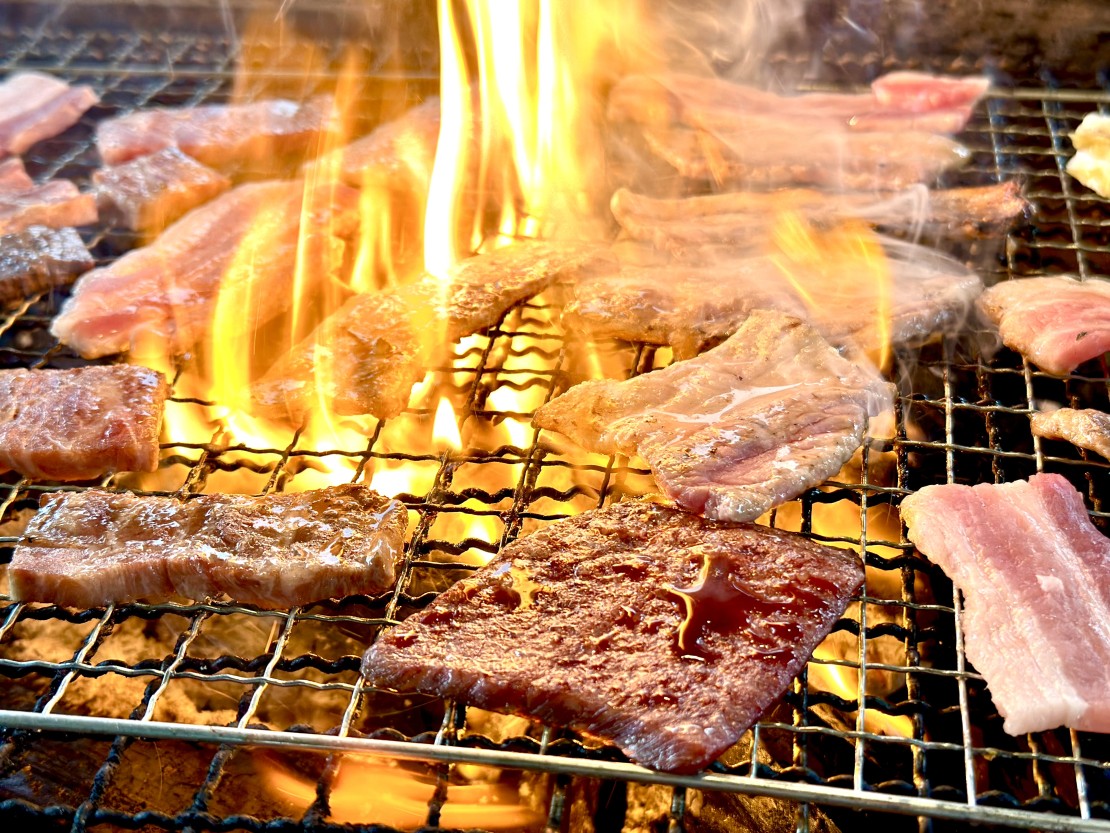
(740, 429)
(657, 630)
(372, 351)
(149, 193)
(222, 136)
(95, 548)
(81, 423)
(848, 161)
(34, 106)
(745, 219)
(38, 259)
(1086, 428)
(916, 294)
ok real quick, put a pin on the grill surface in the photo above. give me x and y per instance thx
(962, 417)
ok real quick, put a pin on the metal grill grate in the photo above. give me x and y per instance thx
(961, 417)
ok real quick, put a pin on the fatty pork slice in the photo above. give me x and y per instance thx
(246, 243)
(149, 193)
(39, 258)
(664, 633)
(744, 427)
(54, 204)
(1086, 428)
(81, 423)
(221, 135)
(94, 548)
(1035, 574)
(34, 106)
(1057, 323)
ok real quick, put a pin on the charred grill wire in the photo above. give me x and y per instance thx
(960, 418)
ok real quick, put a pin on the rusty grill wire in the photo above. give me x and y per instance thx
(961, 417)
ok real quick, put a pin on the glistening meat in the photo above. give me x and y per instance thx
(35, 106)
(1086, 428)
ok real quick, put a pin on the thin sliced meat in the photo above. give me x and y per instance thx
(222, 136)
(168, 290)
(744, 427)
(149, 193)
(897, 102)
(34, 106)
(37, 259)
(54, 204)
(1057, 323)
(664, 633)
(81, 423)
(13, 176)
(365, 358)
(1035, 574)
(1087, 428)
(745, 219)
(94, 548)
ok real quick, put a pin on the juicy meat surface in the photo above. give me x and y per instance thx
(34, 106)
(1035, 574)
(54, 204)
(1087, 428)
(81, 423)
(369, 353)
(657, 630)
(917, 294)
(13, 175)
(169, 289)
(739, 430)
(149, 193)
(1057, 323)
(39, 258)
(220, 135)
(897, 102)
(745, 219)
(95, 548)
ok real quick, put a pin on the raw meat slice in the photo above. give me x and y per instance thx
(38, 259)
(1057, 323)
(662, 632)
(34, 106)
(13, 176)
(1085, 428)
(94, 548)
(168, 290)
(149, 193)
(1035, 574)
(81, 423)
(745, 427)
(220, 135)
(365, 358)
(55, 204)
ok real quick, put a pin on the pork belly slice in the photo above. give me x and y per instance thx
(94, 548)
(149, 193)
(770, 159)
(168, 290)
(1035, 574)
(1057, 323)
(744, 427)
(39, 258)
(54, 204)
(1087, 428)
(220, 135)
(897, 102)
(365, 358)
(34, 106)
(916, 294)
(745, 219)
(14, 176)
(657, 630)
(81, 423)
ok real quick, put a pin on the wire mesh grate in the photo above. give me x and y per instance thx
(910, 728)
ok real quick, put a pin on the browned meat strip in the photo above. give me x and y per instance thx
(1087, 428)
(34, 106)
(82, 423)
(220, 135)
(38, 259)
(662, 632)
(94, 548)
(149, 193)
(745, 219)
(745, 427)
(377, 346)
